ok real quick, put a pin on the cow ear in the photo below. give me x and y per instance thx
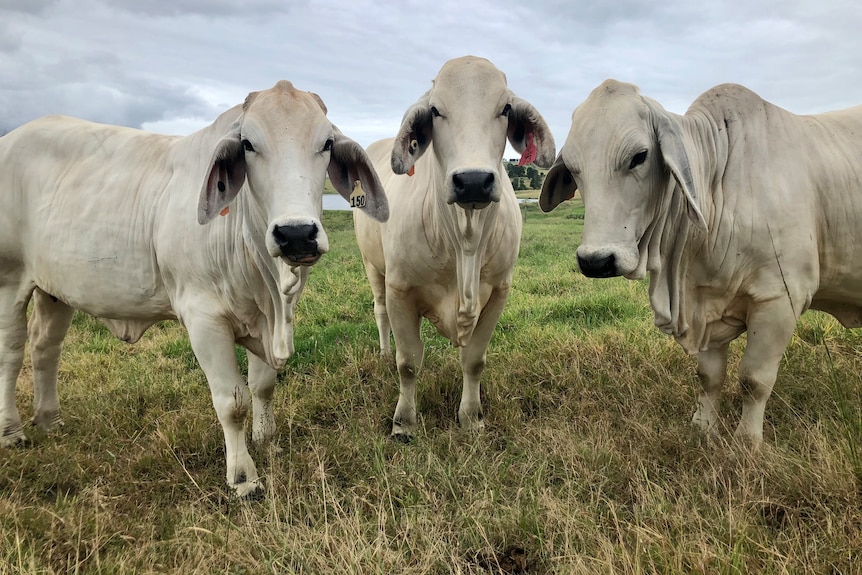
(225, 177)
(413, 136)
(670, 140)
(349, 164)
(525, 119)
(559, 186)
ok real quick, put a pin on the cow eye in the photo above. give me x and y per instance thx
(435, 112)
(328, 145)
(247, 146)
(506, 109)
(638, 159)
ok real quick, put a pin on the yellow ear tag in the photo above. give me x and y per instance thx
(411, 170)
(225, 211)
(357, 198)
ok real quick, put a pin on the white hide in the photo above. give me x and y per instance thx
(743, 215)
(105, 220)
(448, 252)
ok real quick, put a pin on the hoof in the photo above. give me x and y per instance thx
(48, 423)
(13, 438)
(249, 491)
(471, 423)
(402, 438)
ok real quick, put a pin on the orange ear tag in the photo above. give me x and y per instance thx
(225, 211)
(529, 155)
(410, 171)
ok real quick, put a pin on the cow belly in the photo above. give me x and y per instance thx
(105, 285)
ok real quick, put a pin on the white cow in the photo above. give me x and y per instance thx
(106, 220)
(448, 251)
(744, 215)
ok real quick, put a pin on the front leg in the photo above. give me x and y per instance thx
(261, 381)
(470, 416)
(770, 327)
(213, 343)
(712, 373)
(409, 353)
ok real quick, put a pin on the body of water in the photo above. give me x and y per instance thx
(334, 202)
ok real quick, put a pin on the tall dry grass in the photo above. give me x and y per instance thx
(588, 464)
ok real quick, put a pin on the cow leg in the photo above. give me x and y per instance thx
(213, 344)
(712, 372)
(381, 316)
(13, 336)
(261, 381)
(770, 328)
(409, 353)
(470, 416)
(48, 326)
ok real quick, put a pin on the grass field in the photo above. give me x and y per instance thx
(587, 465)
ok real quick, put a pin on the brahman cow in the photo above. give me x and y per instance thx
(107, 220)
(744, 215)
(449, 249)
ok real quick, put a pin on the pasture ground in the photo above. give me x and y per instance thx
(587, 465)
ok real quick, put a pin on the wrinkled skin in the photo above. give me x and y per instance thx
(743, 215)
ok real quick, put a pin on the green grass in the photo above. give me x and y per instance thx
(587, 465)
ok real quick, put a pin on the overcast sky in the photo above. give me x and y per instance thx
(173, 65)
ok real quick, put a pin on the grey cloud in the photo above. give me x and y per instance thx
(144, 62)
(208, 8)
(27, 6)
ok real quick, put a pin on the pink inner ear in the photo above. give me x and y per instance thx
(529, 155)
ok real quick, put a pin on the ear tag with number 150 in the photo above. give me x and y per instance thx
(357, 197)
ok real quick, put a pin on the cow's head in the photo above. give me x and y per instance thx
(468, 114)
(620, 154)
(282, 146)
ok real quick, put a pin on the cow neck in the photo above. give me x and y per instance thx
(674, 242)
(239, 254)
(466, 236)
(665, 243)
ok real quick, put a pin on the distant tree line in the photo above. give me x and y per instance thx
(524, 177)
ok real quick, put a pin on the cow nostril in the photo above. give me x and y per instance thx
(458, 183)
(488, 184)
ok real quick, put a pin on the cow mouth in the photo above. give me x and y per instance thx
(302, 259)
(473, 205)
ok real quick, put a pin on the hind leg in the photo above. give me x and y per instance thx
(13, 335)
(48, 326)
(261, 382)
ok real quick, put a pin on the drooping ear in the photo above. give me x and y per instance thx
(225, 177)
(525, 119)
(668, 132)
(559, 186)
(349, 164)
(414, 136)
